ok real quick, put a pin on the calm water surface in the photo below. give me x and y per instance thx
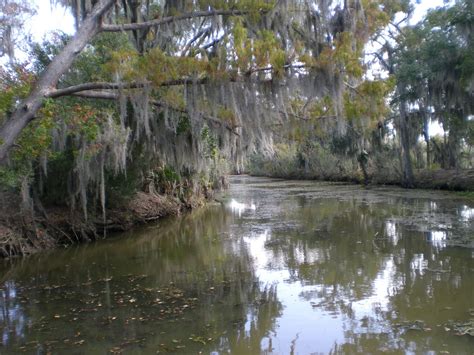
(278, 268)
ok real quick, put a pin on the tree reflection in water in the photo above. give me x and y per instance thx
(190, 289)
(312, 268)
(390, 288)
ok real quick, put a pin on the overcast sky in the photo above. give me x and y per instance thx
(49, 19)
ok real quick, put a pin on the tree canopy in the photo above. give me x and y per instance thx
(147, 92)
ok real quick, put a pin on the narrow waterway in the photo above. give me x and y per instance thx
(279, 267)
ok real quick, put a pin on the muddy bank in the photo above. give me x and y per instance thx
(26, 230)
(457, 180)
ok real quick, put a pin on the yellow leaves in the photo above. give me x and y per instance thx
(242, 45)
(368, 101)
(226, 115)
(239, 32)
(278, 61)
(260, 52)
(255, 7)
(173, 96)
(322, 108)
(265, 47)
(124, 64)
(348, 54)
(154, 66)
(344, 57)
(376, 15)
(158, 67)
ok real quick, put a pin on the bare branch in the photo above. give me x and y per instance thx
(202, 33)
(397, 26)
(270, 68)
(383, 61)
(213, 43)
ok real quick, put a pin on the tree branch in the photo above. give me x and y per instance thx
(71, 90)
(202, 33)
(213, 43)
(26, 110)
(169, 19)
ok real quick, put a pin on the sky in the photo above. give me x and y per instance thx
(423, 7)
(49, 18)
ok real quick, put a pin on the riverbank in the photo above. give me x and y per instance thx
(25, 231)
(451, 180)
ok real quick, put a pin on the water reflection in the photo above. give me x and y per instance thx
(438, 238)
(315, 268)
(467, 213)
(12, 318)
(239, 208)
(391, 232)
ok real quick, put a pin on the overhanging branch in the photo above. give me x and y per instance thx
(169, 19)
(72, 90)
(75, 89)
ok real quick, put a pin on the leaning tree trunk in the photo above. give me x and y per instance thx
(26, 110)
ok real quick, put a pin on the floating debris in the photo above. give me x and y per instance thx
(461, 328)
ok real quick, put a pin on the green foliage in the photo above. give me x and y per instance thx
(44, 52)
(242, 45)
(184, 125)
(34, 141)
(11, 178)
(431, 61)
(434, 66)
(210, 141)
(308, 161)
(255, 6)
(347, 56)
(155, 66)
(15, 85)
(369, 100)
(168, 174)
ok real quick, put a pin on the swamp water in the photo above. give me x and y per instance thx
(280, 267)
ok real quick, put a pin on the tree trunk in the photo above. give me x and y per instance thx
(426, 134)
(26, 110)
(453, 148)
(407, 170)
